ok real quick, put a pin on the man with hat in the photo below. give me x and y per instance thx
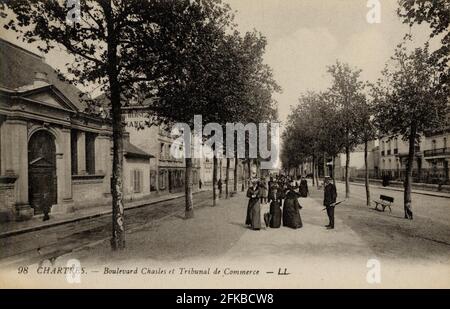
(329, 200)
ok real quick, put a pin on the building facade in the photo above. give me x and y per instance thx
(52, 153)
(166, 173)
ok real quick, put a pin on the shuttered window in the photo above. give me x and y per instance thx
(136, 176)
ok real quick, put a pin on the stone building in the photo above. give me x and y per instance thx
(167, 173)
(53, 153)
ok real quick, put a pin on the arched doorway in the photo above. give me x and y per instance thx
(41, 171)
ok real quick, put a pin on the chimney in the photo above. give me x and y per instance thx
(40, 79)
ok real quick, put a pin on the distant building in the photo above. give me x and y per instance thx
(166, 173)
(357, 164)
(431, 157)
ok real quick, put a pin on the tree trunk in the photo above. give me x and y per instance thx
(243, 177)
(366, 165)
(317, 174)
(227, 178)
(236, 166)
(118, 231)
(189, 212)
(408, 176)
(347, 165)
(249, 171)
(220, 178)
(313, 171)
(333, 170)
(214, 180)
(325, 169)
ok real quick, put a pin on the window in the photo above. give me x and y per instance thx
(90, 153)
(74, 151)
(162, 180)
(445, 142)
(161, 151)
(152, 181)
(433, 144)
(136, 176)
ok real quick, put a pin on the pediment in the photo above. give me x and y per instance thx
(50, 96)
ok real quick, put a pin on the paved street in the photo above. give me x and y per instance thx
(49, 243)
(411, 254)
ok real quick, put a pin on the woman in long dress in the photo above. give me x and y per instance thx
(275, 208)
(303, 189)
(291, 210)
(254, 207)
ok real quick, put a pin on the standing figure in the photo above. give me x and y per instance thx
(273, 219)
(303, 188)
(219, 187)
(254, 207)
(270, 187)
(291, 210)
(329, 199)
(263, 190)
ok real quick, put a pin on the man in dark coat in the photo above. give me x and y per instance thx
(329, 199)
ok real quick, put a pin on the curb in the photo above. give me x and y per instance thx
(87, 217)
(431, 193)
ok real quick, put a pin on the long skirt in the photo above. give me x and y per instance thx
(254, 214)
(275, 216)
(291, 216)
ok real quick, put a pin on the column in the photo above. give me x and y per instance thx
(103, 162)
(15, 146)
(66, 166)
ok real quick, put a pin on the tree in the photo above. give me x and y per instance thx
(410, 100)
(436, 13)
(368, 131)
(347, 92)
(121, 46)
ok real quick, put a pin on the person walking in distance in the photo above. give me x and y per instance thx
(329, 200)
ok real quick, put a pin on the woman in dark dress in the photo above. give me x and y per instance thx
(275, 208)
(291, 210)
(303, 189)
(254, 208)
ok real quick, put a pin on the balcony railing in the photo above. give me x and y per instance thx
(437, 152)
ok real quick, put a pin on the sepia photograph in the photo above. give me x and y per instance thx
(224, 144)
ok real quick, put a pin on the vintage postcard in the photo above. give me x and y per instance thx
(244, 144)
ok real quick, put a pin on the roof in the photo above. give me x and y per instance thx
(18, 67)
(132, 151)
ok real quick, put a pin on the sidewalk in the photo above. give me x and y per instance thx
(8, 229)
(414, 191)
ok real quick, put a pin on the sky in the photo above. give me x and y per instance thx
(305, 36)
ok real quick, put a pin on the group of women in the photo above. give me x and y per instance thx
(282, 194)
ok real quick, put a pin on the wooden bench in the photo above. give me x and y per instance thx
(385, 201)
